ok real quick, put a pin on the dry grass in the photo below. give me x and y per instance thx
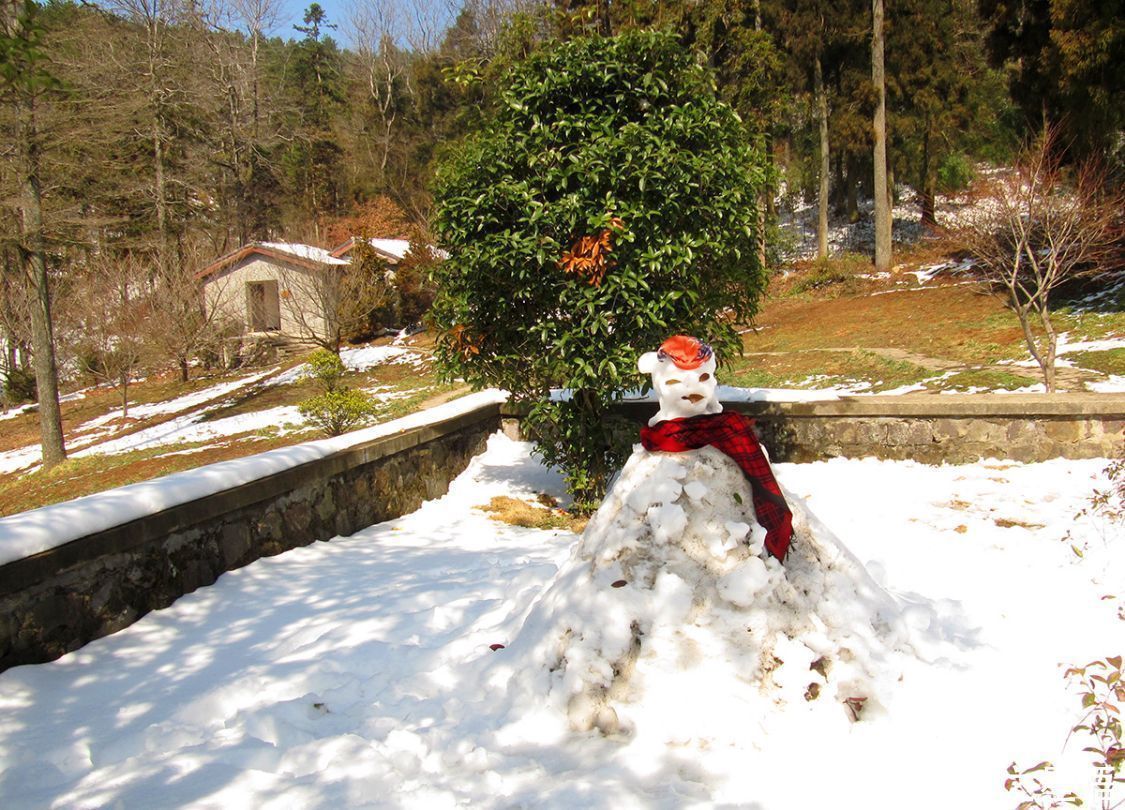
(953, 322)
(825, 367)
(533, 516)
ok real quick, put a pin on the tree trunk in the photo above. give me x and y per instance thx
(124, 394)
(929, 219)
(881, 193)
(1048, 360)
(822, 195)
(852, 180)
(34, 254)
(605, 28)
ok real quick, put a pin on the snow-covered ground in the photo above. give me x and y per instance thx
(359, 672)
(193, 423)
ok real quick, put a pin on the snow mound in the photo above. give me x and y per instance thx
(669, 597)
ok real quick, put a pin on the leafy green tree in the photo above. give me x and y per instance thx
(935, 67)
(608, 203)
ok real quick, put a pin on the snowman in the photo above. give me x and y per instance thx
(691, 417)
(695, 548)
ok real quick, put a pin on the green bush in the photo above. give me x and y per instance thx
(338, 411)
(955, 173)
(18, 386)
(607, 204)
(338, 408)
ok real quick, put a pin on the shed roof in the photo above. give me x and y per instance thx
(390, 249)
(307, 256)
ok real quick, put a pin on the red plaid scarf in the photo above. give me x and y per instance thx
(733, 434)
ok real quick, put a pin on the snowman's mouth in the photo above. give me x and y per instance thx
(693, 398)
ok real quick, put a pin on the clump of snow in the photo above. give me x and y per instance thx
(362, 358)
(174, 405)
(19, 410)
(367, 357)
(1112, 384)
(1066, 346)
(393, 247)
(192, 428)
(671, 579)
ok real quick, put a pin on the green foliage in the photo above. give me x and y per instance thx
(620, 139)
(1101, 690)
(339, 408)
(23, 57)
(955, 173)
(338, 411)
(18, 386)
(326, 368)
(1064, 63)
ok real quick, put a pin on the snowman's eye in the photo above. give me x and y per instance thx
(671, 382)
(704, 377)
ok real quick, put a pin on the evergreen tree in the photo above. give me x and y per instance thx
(314, 160)
(25, 79)
(1066, 65)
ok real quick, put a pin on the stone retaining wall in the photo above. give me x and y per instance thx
(58, 600)
(930, 429)
(946, 429)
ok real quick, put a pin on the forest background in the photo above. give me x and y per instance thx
(141, 139)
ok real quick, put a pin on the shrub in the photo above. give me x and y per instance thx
(608, 203)
(338, 408)
(955, 173)
(326, 368)
(338, 411)
(18, 386)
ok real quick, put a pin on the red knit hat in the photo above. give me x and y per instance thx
(686, 352)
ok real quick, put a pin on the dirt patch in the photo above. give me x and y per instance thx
(1005, 523)
(533, 516)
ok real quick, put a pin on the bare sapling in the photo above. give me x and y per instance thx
(1039, 227)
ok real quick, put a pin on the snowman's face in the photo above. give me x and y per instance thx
(682, 392)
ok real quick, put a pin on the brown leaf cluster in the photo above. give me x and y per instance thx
(464, 343)
(589, 258)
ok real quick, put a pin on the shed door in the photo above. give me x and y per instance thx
(263, 306)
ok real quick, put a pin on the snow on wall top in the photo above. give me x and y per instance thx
(48, 527)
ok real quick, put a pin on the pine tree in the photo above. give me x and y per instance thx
(25, 78)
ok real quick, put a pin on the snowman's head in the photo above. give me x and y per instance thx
(683, 374)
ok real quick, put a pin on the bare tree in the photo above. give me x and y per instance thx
(15, 326)
(156, 19)
(258, 17)
(110, 309)
(179, 327)
(335, 301)
(1038, 228)
(384, 67)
